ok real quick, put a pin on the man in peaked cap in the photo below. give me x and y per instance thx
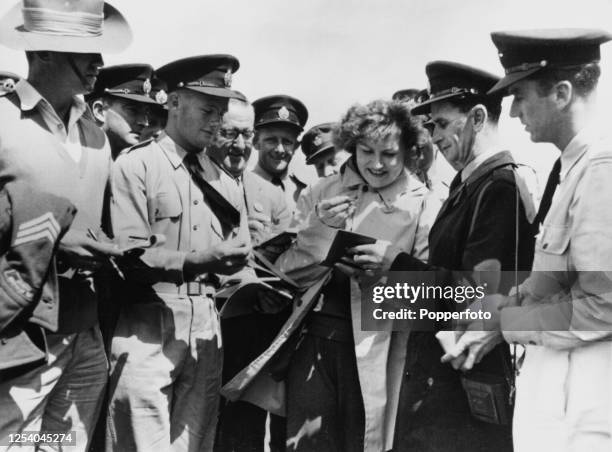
(120, 102)
(423, 160)
(474, 231)
(411, 95)
(319, 150)
(563, 318)
(279, 121)
(166, 356)
(49, 139)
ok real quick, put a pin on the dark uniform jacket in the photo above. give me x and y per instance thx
(476, 223)
(31, 225)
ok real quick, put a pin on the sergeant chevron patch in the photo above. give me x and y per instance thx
(43, 227)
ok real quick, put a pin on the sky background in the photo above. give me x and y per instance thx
(333, 53)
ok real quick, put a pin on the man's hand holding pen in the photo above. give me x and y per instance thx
(78, 249)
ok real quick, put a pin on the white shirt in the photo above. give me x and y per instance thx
(31, 98)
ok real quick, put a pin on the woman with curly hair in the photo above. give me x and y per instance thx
(482, 230)
(343, 383)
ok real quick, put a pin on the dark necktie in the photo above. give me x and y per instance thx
(455, 182)
(227, 214)
(278, 182)
(549, 191)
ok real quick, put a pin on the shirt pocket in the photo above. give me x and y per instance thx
(166, 206)
(552, 248)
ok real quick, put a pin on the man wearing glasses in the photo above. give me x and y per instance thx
(242, 425)
(267, 209)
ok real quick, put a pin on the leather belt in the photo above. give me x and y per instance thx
(194, 288)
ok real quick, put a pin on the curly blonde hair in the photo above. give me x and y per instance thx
(376, 120)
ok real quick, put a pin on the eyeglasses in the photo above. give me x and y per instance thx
(232, 134)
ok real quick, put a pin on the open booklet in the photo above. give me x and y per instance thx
(343, 241)
(277, 245)
(241, 296)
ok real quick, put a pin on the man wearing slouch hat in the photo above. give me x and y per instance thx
(48, 138)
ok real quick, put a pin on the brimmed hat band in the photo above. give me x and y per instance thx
(201, 84)
(47, 21)
(453, 90)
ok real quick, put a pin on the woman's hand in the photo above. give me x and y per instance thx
(376, 257)
(334, 211)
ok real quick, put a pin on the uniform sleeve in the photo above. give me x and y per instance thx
(130, 217)
(300, 261)
(583, 313)
(304, 206)
(26, 217)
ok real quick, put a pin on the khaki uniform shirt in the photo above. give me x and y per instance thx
(153, 193)
(263, 198)
(567, 300)
(291, 185)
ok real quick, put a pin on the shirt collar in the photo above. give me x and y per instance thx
(267, 176)
(29, 98)
(476, 162)
(574, 151)
(174, 152)
(498, 159)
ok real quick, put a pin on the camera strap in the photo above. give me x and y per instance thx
(510, 372)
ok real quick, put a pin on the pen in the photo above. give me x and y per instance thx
(111, 259)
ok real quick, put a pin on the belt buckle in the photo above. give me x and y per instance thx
(194, 288)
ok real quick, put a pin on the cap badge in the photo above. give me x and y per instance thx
(283, 113)
(146, 86)
(317, 140)
(227, 79)
(161, 97)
